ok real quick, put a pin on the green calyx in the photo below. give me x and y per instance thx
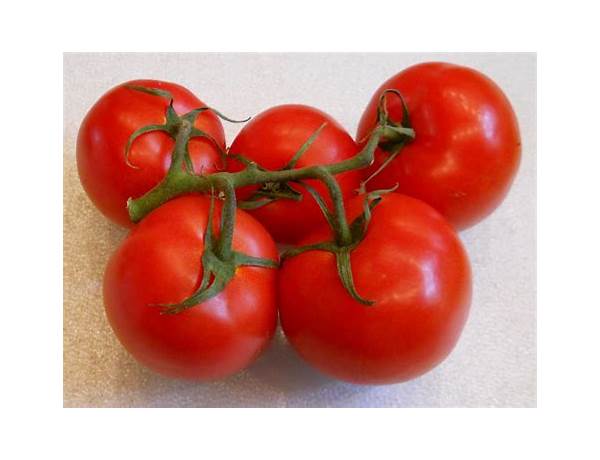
(172, 125)
(272, 191)
(219, 261)
(358, 230)
(268, 193)
(395, 135)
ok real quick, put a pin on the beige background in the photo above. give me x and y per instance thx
(494, 363)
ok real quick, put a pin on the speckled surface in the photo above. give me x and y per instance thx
(493, 365)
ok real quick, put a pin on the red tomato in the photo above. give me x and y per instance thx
(467, 147)
(159, 263)
(104, 133)
(412, 264)
(271, 139)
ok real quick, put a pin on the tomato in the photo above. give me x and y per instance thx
(412, 264)
(104, 133)
(467, 147)
(271, 139)
(159, 263)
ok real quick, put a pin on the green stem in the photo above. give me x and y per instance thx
(178, 182)
(397, 134)
(181, 145)
(341, 229)
(224, 246)
(388, 160)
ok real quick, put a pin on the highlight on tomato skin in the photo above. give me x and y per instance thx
(467, 148)
(159, 263)
(104, 173)
(412, 264)
(271, 139)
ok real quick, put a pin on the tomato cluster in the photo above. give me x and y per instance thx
(377, 287)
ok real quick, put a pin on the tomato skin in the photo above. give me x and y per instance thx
(271, 139)
(158, 263)
(467, 148)
(412, 264)
(104, 133)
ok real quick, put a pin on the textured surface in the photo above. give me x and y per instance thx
(494, 364)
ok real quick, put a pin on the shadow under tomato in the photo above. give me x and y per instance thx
(280, 367)
(279, 378)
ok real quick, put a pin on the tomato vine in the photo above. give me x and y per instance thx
(219, 260)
